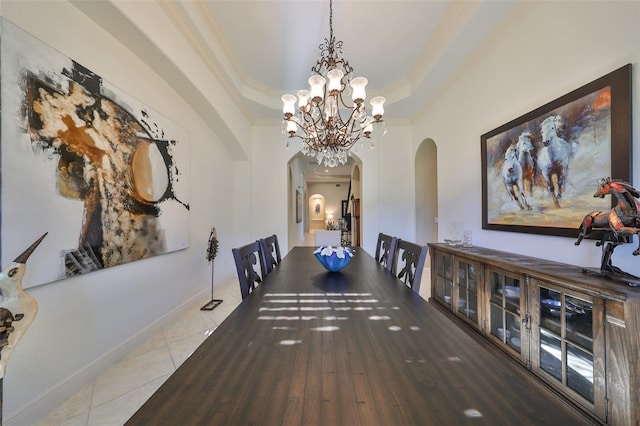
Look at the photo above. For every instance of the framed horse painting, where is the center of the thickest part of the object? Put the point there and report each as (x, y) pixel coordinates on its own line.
(540, 171)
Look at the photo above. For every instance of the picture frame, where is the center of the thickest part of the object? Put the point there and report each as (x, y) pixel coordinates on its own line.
(572, 142)
(110, 152)
(298, 206)
(345, 207)
(316, 208)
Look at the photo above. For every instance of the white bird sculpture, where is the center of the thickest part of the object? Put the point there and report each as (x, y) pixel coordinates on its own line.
(17, 308)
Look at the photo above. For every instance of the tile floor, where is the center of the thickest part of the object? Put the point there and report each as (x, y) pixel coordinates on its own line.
(113, 397)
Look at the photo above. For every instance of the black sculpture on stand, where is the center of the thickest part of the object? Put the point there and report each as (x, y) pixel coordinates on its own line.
(617, 226)
(212, 251)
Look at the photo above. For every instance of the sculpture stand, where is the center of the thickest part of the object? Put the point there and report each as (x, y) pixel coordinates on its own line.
(210, 306)
(608, 270)
(618, 226)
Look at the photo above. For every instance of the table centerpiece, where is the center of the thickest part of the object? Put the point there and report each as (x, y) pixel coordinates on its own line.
(333, 258)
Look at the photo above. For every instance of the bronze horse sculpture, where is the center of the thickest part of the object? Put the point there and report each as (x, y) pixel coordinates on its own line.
(618, 225)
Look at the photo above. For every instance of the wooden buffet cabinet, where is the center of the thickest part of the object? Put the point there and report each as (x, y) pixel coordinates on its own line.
(577, 332)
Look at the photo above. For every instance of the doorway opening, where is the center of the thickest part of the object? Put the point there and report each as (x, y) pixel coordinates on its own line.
(426, 187)
(328, 199)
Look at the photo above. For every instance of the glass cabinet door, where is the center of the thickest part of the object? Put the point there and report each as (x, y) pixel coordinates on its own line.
(468, 283)
(444, 277)
(505, 302)
(565, 333)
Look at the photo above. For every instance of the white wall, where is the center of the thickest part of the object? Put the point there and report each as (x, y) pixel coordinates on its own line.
(542, 51)
(268, 192)
(388, 186)
(386, 173)
(296, 229)
(86, 323)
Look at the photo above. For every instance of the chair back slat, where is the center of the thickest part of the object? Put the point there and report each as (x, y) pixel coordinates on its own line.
(385, 250)
(246, 258)
(408, 264)
(271, 252)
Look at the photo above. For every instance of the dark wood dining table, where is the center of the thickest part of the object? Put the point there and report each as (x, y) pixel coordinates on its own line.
(355, 347)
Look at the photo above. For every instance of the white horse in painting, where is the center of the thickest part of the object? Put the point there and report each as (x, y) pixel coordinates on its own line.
(512, 177)
(527, 160)
(554, 157)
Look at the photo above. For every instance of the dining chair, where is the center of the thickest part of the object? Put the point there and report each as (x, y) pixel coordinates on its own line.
(385, 250)
(246, 257)
(270, 252)
(412, 258)
(327, 238)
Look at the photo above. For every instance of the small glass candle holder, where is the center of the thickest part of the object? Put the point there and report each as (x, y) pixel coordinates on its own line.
(467, 240)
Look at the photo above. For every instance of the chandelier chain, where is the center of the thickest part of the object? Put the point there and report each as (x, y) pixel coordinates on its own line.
(331, 20)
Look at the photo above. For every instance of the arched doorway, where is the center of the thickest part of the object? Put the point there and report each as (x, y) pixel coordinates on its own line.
(339, 185)
(426, 184)
(317, 217)
(356, 210)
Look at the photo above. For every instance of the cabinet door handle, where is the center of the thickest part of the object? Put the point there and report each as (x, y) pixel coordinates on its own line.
(526, 321)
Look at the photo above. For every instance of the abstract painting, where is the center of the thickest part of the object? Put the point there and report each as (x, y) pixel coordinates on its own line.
(540, 171)
(104, 174)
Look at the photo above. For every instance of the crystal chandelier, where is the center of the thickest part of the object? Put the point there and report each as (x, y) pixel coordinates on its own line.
(319, 122)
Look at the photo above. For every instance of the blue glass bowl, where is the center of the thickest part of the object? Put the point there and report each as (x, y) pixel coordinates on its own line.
(332, 262)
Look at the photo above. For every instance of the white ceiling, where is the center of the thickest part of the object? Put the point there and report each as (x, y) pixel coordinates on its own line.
(261, 49)
(405, 48)
(313, 172)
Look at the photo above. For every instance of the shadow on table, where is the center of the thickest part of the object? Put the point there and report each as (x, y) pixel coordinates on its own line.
(330, 281)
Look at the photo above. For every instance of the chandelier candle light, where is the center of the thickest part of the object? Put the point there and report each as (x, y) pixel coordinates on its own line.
(325, 134)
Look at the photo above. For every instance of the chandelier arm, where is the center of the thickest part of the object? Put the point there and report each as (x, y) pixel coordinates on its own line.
(355, 135)
(344, 104)
(309, 121)
(351, 118)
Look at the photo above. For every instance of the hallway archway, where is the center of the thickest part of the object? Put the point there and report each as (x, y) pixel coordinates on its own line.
(338, 184)
(426, 187)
